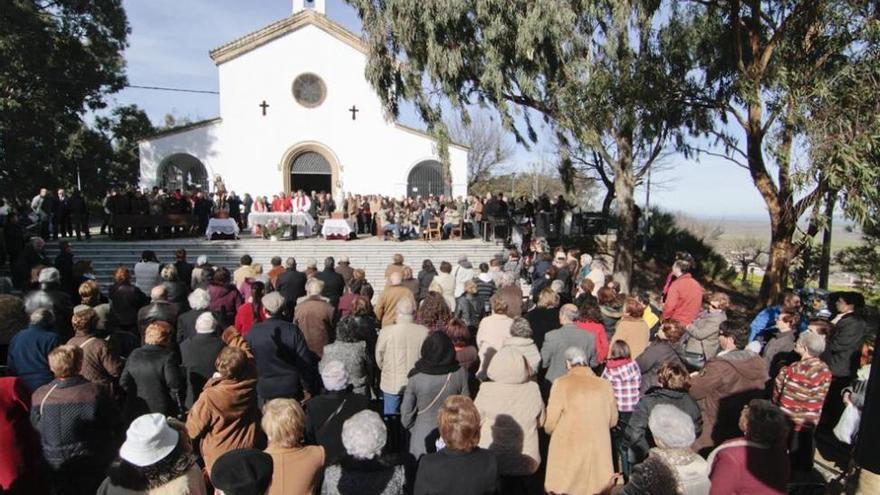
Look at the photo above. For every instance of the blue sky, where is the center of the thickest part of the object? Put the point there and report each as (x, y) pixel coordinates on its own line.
(169, 47)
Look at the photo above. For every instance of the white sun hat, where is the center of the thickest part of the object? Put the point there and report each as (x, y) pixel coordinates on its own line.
(148, 440)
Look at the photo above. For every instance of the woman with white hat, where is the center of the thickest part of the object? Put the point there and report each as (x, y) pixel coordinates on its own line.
(156, 458)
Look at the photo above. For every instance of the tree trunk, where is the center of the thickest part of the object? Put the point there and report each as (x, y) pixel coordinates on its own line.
(624, 185)
(825, 265)
(781, 253)
(606, 203)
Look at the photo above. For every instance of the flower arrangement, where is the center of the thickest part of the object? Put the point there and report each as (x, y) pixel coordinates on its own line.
(273, 230)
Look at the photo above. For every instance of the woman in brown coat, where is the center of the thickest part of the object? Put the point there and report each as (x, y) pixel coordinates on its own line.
(580, 414)
(99, 364)
(225, 416)
(632, 328)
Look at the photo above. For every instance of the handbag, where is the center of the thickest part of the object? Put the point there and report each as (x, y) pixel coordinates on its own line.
(848, 425)
(436, 397)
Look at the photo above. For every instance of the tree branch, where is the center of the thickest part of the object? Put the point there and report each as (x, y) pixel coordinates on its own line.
(720, 155)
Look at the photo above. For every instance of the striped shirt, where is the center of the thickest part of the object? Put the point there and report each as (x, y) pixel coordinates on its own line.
(625, 378)
(800, 390)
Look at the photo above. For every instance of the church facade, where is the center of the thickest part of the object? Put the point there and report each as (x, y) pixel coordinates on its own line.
(296, 112)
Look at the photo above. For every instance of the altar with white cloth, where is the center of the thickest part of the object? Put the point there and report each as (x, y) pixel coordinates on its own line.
(303, 222)
(337, 228)
(223, 226)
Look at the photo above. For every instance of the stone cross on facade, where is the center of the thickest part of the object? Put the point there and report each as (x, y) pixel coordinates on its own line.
(354, 110)
(264, 106)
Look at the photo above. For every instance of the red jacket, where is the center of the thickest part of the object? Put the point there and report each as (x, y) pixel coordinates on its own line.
(598, 331)
(684, 300)
(741, 467)
(244, 318)
(20, 455)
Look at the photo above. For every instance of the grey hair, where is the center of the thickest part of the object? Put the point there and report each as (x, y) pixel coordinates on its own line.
(311, 263)
(568, 312)
(404, 307)
(314, 287)
(558, 286)
(202, 260)
(42, 317)
(576, 356)
(364, 435)
(169, 272)
(273, 303)
(670, 427)
(812, 342)
(205, 323)
(199, 299)
(506, 280)
(521, 328)
(290, 262)
(37, 300)
(49, 276)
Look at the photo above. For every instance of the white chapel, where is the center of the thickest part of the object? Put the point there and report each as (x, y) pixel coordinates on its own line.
(296, 112)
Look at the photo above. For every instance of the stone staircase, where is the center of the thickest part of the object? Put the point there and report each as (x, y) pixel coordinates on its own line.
(371, 254)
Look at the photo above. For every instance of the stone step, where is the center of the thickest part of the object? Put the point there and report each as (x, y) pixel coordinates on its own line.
(369, 253)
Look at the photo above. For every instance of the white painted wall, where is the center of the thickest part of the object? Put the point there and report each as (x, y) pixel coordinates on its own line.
(201, 142)
(247, 148)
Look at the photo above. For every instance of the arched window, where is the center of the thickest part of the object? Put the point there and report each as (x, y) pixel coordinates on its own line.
(426, 178)
(183, 171)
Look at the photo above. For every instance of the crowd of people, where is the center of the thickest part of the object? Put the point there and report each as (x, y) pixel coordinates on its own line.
(182, 378)
(54, 215)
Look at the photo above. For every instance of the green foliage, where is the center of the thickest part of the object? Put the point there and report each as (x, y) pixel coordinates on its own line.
(864, 261)
(666, 237)
(57, 60)
(123, 128)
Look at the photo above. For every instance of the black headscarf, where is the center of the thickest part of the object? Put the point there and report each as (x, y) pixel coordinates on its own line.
(438, 356)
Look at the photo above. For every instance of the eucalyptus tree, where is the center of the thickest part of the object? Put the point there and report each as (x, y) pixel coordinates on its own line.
(792, 85)
(603, 76)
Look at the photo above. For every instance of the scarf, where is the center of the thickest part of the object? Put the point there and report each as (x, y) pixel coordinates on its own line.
(438, 356)
(616, 363)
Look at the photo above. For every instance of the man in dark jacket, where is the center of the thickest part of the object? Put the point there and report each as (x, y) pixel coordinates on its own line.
(726, 383)
(186, 322)
(62, 215)
(284, 362)
(202, 210)
(78, 424)
(79, 215)
(869, 432)
(159, 309)
(50, 295)
(125, 301)
(198, 354)
(184, 268)
(29, 350)
(291, 285)
(326, 413)
(334, 284)
(151, 378)
(842, 351)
